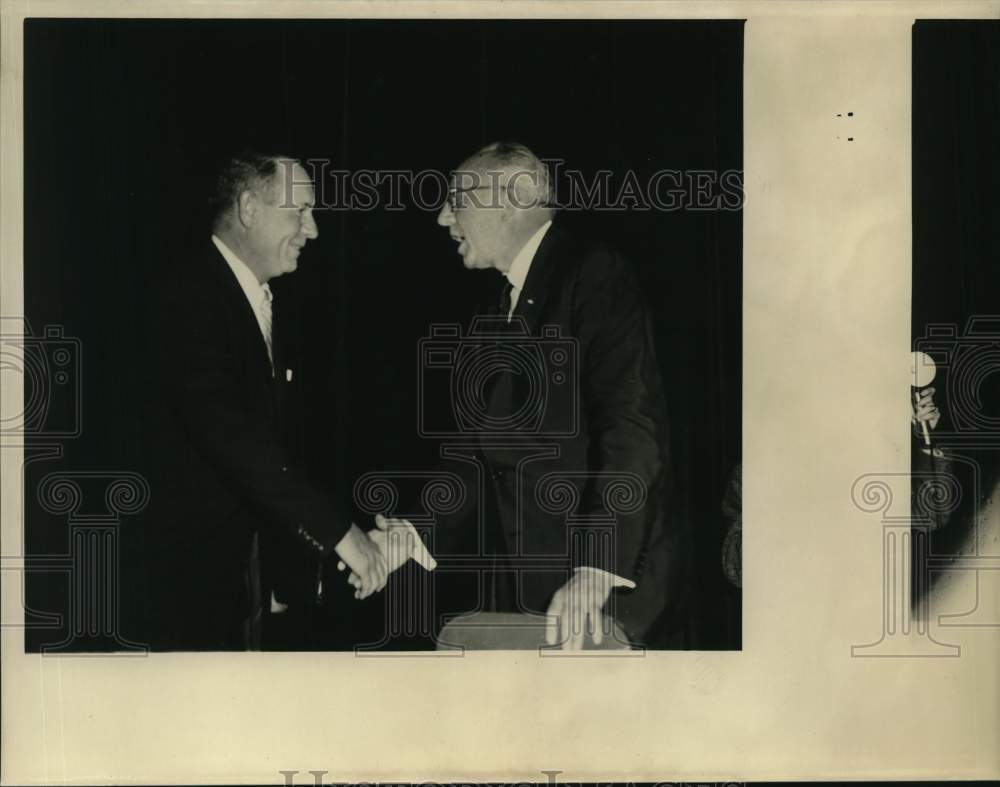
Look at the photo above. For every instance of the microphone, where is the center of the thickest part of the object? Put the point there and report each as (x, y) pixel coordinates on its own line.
(922, 371)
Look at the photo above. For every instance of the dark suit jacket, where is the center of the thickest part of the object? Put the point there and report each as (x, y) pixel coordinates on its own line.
(575, 443)
(223, 469)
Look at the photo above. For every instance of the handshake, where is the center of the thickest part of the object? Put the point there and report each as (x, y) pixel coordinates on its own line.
(372, 556)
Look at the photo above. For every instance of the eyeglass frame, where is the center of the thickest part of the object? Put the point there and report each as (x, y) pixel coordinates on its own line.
(454, 191)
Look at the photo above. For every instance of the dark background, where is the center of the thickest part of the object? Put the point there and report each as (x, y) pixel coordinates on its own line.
(956, 247)
(956, 171)
(123, 116)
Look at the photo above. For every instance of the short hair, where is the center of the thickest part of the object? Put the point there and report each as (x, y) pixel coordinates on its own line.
(238, 173)
(514, 155)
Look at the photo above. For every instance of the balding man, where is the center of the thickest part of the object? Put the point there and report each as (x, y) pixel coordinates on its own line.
(227, 481)
(601, 433)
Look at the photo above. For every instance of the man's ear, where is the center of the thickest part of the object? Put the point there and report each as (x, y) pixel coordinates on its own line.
(520, 194)
(246, 208)
(508, 197)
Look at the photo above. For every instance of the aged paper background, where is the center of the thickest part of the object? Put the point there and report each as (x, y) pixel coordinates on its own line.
(826, 343)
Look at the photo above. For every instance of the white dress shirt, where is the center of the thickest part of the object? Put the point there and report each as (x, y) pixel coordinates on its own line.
(518, 272)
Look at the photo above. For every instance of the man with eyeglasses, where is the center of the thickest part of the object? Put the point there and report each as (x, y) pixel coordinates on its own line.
(500, 215)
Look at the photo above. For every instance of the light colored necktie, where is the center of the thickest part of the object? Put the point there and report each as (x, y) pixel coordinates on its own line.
(265, 316)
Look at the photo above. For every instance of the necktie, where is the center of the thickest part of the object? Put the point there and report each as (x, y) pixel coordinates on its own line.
(503, 307)
(265, 319)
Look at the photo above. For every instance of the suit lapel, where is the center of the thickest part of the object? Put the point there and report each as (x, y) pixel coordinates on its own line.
(246, 320)
(510, 392)
(537, 286)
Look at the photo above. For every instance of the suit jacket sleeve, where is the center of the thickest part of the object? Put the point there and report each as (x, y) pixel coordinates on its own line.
(210, 400)
(622, 401)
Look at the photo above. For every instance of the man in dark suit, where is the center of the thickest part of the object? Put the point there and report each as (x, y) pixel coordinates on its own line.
(569, 448)
(227, 489)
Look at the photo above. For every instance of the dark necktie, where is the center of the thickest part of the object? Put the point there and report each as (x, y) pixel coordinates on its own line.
(503, 307)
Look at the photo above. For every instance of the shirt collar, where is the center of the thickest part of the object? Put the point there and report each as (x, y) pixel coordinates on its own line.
(253, 289)
(518, 272)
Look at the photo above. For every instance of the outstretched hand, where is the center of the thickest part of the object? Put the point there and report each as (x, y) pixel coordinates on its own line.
(368, 569)
(397, 541)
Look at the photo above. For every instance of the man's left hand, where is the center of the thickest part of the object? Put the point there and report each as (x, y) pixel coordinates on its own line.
(576, 605)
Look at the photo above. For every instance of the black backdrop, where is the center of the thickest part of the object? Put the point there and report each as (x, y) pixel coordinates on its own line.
(121, 117)
(956, 171)
(956, 239)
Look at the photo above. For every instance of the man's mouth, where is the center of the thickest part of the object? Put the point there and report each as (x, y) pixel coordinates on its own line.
(463, 247)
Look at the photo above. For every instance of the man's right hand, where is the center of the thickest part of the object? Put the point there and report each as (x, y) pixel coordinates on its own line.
(367, 565)
(925, 409)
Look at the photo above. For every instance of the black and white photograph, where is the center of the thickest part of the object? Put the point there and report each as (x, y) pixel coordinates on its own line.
(383, 335)
(386, 387)
(955, 530)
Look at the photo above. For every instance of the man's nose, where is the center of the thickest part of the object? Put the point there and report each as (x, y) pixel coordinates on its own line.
(309, 228)
(446, 218)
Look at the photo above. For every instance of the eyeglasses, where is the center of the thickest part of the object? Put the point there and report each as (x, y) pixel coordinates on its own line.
(456, 198)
